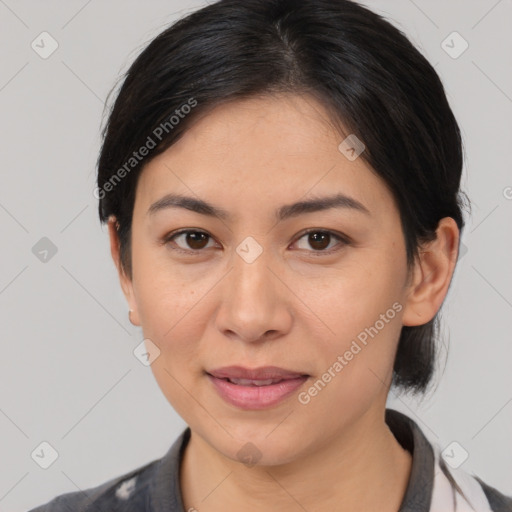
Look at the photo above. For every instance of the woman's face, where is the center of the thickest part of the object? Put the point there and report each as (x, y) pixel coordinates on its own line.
(254, 290)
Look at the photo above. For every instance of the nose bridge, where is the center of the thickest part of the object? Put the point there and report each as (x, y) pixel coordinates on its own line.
(250, 277)
(250, 307)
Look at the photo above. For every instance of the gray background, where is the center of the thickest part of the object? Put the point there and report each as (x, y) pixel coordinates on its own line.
(68, 374)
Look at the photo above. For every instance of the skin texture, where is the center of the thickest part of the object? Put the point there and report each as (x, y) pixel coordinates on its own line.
(292, 307)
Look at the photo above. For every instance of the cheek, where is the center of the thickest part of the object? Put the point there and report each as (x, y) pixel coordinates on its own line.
(355, 371)
(174, 316)
(343, 302)
(165, 292)
(360, 315)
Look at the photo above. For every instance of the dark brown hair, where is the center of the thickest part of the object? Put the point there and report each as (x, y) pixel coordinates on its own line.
(372, 80)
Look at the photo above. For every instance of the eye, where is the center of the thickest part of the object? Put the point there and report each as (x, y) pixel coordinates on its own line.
(195, 241)
(319, 239)
(193, 238)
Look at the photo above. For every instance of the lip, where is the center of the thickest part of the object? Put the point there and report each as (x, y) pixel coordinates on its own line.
(255, 397)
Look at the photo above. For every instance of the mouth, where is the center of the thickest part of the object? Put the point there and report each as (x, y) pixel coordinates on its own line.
(252, 382)
(255, 389)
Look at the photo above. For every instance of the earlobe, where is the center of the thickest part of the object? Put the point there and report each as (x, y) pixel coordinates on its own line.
(432, 275)
(124, 280)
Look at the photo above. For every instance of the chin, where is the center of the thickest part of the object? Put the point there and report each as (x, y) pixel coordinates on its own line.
(257, 447)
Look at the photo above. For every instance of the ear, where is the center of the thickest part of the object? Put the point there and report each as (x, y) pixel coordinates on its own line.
(432, 274)
(126, 282)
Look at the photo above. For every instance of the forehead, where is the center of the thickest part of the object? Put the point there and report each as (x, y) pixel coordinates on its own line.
(269, 150)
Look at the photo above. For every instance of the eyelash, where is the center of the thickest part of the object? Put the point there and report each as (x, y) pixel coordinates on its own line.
(341, 238)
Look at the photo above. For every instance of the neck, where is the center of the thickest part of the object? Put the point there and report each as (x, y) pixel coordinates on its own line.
(337, 476)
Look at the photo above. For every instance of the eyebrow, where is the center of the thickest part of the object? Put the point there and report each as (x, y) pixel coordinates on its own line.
(282, 213)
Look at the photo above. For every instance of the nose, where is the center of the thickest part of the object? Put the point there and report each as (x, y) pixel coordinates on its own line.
(254, 303)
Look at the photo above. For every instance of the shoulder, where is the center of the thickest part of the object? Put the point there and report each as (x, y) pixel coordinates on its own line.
(434, 485)
(154, 486)
(471, 489)
(498, 501)
(126, 492)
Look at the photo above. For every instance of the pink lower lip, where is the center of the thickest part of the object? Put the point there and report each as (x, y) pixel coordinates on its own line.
(255, 397)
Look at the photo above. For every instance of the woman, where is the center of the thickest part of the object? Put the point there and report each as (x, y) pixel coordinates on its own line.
(281, 185)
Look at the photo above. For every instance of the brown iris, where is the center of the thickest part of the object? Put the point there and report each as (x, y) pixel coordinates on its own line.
(317, 239)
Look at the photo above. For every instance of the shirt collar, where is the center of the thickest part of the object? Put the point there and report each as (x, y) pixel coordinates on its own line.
(418, 495)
